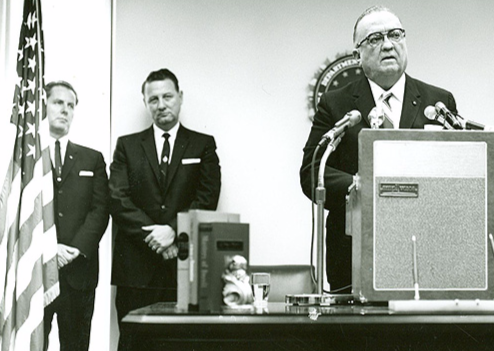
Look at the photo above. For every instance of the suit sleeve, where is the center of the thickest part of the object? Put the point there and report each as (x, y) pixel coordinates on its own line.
(208, 189)
(89, 234)
(123, 210)
(336, 181)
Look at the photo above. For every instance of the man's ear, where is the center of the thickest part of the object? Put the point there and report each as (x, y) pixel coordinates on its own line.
(356, 54)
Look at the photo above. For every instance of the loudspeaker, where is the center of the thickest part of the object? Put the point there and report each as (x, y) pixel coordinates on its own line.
(421, 212)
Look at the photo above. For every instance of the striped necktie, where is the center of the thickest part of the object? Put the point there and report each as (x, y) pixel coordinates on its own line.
(387, 111)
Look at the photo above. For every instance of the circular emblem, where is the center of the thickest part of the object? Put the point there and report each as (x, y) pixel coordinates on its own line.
(333, 75)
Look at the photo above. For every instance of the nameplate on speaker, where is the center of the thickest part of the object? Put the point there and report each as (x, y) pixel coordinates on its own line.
(398, 190)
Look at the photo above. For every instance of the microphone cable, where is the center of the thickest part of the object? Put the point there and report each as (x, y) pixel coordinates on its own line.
(313, 197)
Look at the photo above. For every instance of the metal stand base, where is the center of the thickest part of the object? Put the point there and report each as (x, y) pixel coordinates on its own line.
(319, 299)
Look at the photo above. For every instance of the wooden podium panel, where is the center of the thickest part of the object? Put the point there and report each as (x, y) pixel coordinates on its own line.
(435, 186)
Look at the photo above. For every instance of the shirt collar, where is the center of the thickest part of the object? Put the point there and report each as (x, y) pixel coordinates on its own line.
(63, 141)
(398, 89)
(158, 132)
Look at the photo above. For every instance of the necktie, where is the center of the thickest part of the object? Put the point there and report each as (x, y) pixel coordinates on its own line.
(387, 111)
(165, 157)
(58, 160)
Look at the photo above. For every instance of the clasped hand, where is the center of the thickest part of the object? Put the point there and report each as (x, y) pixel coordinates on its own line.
(161, 240)
(66, 254)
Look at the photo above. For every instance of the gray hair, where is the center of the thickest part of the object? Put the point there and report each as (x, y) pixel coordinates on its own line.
(372, 9)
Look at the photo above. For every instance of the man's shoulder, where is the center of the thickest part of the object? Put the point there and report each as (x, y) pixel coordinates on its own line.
(136, 135)
(349, 89)
(84, 149)
(426, 87)
(194, 134)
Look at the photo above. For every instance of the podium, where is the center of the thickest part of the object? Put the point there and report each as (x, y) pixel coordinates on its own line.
(420, 215)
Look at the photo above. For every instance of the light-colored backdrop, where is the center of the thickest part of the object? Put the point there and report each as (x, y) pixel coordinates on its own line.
(245, 67)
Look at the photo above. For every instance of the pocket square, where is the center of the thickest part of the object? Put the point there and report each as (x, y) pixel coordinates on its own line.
(189, 161)
(86, 173)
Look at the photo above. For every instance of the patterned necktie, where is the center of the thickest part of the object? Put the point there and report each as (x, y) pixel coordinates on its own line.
(165, 157)
(387, 111)
(58, 160)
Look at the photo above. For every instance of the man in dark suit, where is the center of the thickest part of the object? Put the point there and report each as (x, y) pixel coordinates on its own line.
(155, 174)
(380, 46)
(81, 202)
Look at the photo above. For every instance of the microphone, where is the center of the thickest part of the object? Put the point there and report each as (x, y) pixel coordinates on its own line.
(430, 113)
(349, 120)
(374, 119)
(442, 110)
(471, 125)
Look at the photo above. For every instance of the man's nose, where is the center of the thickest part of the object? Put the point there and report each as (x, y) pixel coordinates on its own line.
(64, 110)
(162, 104)
(387, 43)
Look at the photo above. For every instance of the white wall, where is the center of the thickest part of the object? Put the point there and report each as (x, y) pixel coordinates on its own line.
(77, 49)
(244, 67)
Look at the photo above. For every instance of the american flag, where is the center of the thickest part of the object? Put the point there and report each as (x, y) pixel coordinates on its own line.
(28, 242)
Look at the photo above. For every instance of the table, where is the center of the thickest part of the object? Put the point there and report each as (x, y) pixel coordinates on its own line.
(287, 327)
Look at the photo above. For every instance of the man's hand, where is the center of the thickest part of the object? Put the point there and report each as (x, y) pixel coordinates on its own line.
(66, 254)
(160, 238)
(170, 252)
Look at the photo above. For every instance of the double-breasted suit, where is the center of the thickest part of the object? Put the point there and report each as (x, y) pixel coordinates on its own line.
(343, 163)
(137, 200)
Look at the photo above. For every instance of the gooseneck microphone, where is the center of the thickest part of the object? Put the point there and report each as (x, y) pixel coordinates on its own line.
(471, 125)
(349, 120)
(374, 119)
(440, 113)
(448, 116)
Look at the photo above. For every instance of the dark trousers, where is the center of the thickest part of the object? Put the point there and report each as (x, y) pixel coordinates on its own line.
(128, 299)
(74, 309)
(161, 288)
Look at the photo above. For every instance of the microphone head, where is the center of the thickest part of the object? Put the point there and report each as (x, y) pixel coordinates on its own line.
(354, 116)
(372, 114)
(440, 107)
(374, 119)
(430, 112)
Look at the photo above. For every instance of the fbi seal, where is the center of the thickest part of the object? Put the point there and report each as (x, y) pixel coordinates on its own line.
(332, 75)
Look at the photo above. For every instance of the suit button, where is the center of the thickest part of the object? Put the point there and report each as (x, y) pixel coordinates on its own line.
(60, 191)
(163, 207)
(60, 214)
(59, 179)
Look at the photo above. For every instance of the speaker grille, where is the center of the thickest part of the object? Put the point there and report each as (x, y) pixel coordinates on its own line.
(448, 219)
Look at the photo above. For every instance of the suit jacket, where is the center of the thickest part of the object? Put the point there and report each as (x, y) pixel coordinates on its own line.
(82, 211)
(343, 163)
(193, 182)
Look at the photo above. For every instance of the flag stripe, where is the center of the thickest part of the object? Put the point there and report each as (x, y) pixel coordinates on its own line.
(28, 242)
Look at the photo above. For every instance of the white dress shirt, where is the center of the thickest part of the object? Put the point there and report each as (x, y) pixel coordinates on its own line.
(396, 101)
(159, 139)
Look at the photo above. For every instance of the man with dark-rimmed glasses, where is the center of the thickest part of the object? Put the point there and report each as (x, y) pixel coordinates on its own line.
(380, 47)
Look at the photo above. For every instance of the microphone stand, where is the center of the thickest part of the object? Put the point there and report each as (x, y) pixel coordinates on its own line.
(320, 298)
(320, 197)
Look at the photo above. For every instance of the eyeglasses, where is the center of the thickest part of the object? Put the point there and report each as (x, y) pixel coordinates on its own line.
(374, 39)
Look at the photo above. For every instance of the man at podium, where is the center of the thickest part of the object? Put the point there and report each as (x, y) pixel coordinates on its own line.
(379, 40)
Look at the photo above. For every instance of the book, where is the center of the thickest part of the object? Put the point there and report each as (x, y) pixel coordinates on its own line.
(222, 246)
(187, 262)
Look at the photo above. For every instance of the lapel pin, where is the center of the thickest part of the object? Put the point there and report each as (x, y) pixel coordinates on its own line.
(414, 103)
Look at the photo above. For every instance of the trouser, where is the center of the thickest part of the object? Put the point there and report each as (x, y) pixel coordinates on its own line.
(74, 309)
(128, 299)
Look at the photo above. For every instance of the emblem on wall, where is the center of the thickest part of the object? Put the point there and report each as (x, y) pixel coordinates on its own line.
(330, 76)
